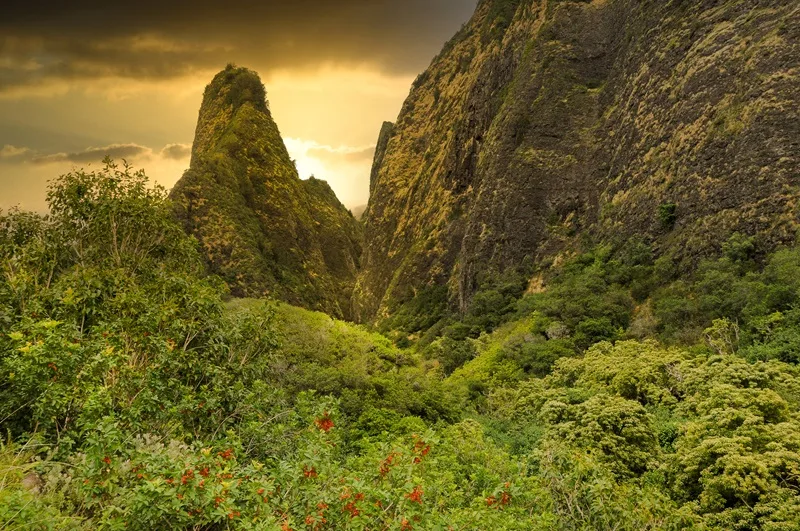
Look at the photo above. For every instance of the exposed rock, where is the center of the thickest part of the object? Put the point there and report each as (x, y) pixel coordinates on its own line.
(32, 483)
(262, 228)
(545, 122)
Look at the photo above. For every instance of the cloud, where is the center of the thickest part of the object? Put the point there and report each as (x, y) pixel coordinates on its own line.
(343, 153)
(26, 172)
(44, 43)
(96, 154)
(346, 168)
(131, 152)
(176, 151)
(309, 149)
(12, 152)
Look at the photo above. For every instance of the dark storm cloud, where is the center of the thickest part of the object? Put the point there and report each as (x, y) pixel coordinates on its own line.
(147, 39)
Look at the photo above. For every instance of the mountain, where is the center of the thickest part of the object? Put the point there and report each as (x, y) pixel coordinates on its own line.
(544, 124)
(358, 211)
(261, 227)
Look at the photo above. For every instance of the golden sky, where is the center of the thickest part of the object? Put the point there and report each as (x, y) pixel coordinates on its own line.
(82, 79)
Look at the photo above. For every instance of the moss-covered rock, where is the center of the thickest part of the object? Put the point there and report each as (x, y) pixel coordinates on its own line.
(543, 122)
(261, 227)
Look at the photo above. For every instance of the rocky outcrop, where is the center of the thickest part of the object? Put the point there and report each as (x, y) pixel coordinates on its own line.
(387, 130)
(261, 227)
(544, 123)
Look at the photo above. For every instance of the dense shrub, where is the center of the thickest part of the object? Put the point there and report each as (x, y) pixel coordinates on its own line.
(133, 397)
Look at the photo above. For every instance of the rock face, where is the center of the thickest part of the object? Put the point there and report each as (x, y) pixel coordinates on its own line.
(261, 227)
(545, 122)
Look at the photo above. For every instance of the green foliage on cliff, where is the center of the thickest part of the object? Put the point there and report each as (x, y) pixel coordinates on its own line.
(501, 14)
(260, 227)
(547, 122)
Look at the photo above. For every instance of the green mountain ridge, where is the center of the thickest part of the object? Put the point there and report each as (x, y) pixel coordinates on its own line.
(261, 227)
(544, 124)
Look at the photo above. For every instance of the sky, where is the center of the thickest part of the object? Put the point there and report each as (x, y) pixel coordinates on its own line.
(83, 79)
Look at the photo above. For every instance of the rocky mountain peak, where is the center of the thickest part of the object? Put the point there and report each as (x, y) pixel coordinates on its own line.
(231, 90)
(262, 228)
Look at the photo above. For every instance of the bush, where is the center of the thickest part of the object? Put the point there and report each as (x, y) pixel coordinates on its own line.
(667, 215)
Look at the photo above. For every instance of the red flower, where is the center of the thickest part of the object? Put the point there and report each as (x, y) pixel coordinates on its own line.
(505, 498)
(310, 472)
(386, 464)
(107, 460)
(204, 472)
(405, 525)
(325, 423)
(415, 495)
(491, 500)
(421, 449)
(359, 496)
(227, 454)
(351, 508)
(189, 474)
(322, 506)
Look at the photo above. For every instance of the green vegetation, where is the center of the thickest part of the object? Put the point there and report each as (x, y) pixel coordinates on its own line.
(133, 397)
(667, 215)
(535, 364)
(240, 87)
(261, 228)
(501, 14)
(429, 314)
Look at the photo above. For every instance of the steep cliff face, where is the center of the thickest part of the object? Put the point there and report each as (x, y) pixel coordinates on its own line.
(261, 227)
(543, 122)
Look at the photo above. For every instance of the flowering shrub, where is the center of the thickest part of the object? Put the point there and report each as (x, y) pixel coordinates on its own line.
(405, 484)
(133, 398)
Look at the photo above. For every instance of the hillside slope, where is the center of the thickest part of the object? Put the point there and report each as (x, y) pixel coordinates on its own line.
(545, 122)
(262, 228)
